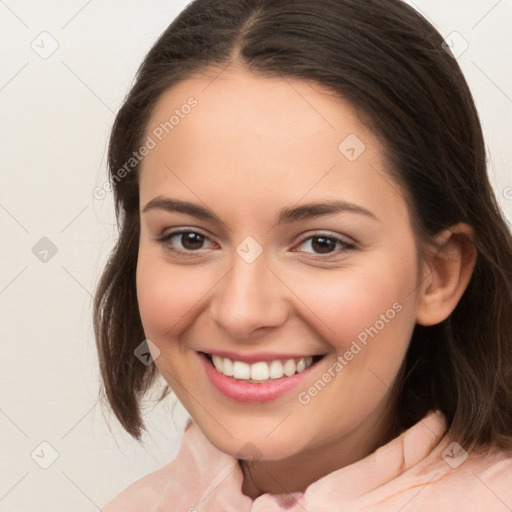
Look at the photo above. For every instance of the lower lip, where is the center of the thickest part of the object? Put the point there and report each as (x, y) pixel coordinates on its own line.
(250, 392)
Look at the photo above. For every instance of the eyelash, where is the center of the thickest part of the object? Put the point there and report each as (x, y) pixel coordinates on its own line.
(345, 246)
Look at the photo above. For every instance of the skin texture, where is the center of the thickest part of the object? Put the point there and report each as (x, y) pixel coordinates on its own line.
(252, 146)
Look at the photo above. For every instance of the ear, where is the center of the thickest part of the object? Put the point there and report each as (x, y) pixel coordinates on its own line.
(447, 270)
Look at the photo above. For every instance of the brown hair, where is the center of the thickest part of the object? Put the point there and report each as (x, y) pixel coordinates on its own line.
(390, 64)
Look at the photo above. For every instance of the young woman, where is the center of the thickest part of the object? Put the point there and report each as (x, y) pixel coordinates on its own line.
(313, 258)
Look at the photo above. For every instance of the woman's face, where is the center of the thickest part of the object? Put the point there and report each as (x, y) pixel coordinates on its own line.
(285, 238)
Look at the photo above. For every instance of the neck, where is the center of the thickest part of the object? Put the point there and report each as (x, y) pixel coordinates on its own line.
(297, 472)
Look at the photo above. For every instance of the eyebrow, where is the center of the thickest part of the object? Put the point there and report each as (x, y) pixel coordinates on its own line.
(286, 215)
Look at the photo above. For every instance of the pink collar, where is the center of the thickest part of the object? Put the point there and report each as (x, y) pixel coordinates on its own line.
(207, 479)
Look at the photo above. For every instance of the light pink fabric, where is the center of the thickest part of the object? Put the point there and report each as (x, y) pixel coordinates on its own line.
(421, 470)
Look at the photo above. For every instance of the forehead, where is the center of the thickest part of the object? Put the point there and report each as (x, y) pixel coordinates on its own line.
(270, 110)
(275, 138)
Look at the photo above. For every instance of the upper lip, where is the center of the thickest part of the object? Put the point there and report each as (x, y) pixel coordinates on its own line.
(257, 357)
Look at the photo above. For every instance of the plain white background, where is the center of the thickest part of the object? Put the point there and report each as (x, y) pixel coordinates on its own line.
(56, 113)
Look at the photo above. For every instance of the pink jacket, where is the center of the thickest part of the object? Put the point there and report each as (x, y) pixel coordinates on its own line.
(421, 470)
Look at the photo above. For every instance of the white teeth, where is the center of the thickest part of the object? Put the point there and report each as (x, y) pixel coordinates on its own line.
(217, 361)
(276, 370)
(289, 368)
(241, 370)
(227, 367)
(261, 371)
(301, 365)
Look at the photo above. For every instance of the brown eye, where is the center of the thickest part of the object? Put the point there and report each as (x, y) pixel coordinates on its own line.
(325, 245)
(184, 242)
(192, 241)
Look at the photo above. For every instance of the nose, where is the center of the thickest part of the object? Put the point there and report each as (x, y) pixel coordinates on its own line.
(250, 300)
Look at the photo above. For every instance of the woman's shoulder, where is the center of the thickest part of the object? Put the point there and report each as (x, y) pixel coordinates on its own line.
(483, 467)
(177, 485)
(470, 481)
(144, 492)
(147, 490)
(426, 469)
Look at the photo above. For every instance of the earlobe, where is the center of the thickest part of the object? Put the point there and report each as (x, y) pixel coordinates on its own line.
(447, 271)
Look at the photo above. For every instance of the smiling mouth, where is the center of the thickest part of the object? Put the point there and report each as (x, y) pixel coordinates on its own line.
(262, 371)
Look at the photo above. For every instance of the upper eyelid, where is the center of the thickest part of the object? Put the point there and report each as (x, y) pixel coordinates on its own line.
(326, 234)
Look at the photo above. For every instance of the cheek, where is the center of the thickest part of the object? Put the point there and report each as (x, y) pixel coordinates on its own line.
(346, 307)
(371, 302)
(368, 318)
(167, 298)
